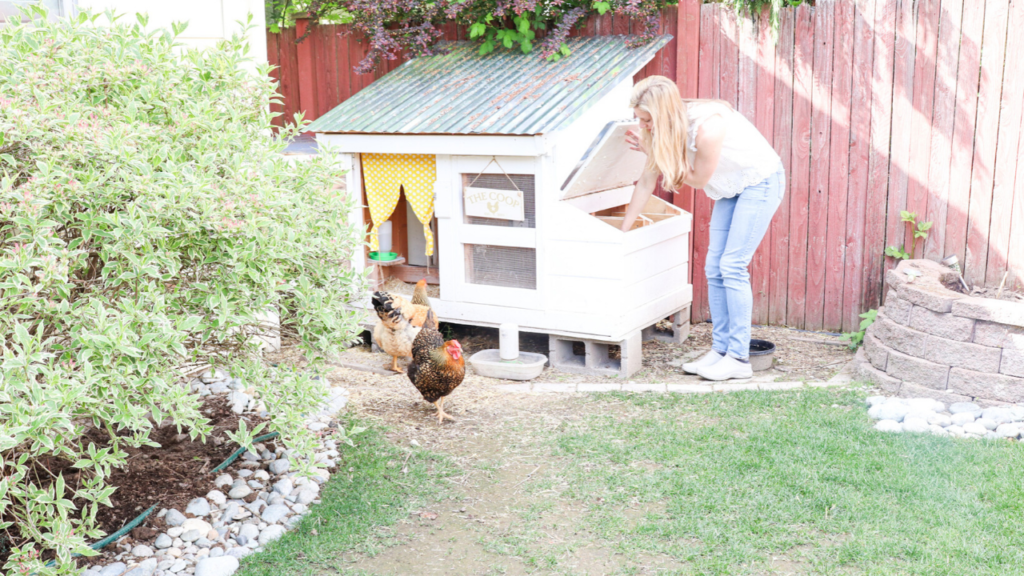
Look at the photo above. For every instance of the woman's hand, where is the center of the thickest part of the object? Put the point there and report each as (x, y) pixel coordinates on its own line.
(634, 141)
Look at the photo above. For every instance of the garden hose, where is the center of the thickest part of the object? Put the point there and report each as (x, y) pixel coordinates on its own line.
(138, 519)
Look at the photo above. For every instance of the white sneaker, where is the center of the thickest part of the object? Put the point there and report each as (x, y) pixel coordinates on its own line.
(726, 369)
(706, 360)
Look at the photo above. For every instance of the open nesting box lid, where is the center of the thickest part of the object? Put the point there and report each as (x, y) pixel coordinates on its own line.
(608, 163)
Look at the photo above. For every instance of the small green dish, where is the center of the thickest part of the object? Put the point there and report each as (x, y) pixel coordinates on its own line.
(383, 257)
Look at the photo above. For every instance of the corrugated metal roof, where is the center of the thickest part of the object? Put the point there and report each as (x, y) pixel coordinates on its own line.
(505, 92)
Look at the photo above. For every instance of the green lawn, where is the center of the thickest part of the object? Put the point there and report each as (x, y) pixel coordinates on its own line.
(723, 483)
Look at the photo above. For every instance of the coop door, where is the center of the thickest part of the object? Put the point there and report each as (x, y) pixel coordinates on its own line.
(500, 265)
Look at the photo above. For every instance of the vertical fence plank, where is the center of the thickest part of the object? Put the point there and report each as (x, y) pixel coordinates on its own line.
(764, 110)
(1015, 255)
(667, 55)
(993, 51)
(860, 152)
(688, 32)
(943, 114)
(782, 138)
(1007, 147)
(323, 88)
(706, 88)
(799, 188)
(289, 74)
(342, 64)
(921, 123)
(729, 56)
(274, 60)
(306, 77)
(821, 99)
(902, 114)
(965, 114)
(878, 164)
(839, 165)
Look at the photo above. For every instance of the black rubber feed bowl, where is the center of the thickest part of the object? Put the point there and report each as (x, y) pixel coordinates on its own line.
(761, 354)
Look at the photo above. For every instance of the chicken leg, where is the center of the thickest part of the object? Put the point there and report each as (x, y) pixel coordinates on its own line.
(440, 411)
(394, 364)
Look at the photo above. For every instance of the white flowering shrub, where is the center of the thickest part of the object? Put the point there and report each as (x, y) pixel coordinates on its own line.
(147, 218)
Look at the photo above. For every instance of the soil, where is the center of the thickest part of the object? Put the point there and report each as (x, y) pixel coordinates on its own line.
(168, 476)
(1010, 295)
(799, 355)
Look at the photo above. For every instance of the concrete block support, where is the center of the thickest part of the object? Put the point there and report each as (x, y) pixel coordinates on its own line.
(680, 329)
(596, 359)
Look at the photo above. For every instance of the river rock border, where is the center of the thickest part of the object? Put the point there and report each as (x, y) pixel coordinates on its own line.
(256, 500)
(929, 341)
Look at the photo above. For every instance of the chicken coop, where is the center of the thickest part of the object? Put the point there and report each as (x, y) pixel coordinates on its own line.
(504, 179)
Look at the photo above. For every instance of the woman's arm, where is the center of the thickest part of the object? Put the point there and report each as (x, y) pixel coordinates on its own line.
(709, 149)
(641, 193)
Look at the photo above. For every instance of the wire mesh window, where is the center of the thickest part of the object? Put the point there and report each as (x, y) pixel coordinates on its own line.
(503, 266)
(524, 182)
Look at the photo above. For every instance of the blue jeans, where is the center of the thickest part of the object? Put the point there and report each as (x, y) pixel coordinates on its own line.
(737, 226)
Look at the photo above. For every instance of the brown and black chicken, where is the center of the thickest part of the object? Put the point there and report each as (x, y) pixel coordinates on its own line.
(437, 367)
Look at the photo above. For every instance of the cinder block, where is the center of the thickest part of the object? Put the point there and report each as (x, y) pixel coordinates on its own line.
(1012, 363)
(896, 309)
(981, 385)
(934, 349)
(876, 353)
(596, 359)
(910, 390)
(942, 325)
(991, 310)
(917, 371)
(680, 329)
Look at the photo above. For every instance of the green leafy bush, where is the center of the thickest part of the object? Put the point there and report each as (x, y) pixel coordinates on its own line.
(857, 338)
(147, 219)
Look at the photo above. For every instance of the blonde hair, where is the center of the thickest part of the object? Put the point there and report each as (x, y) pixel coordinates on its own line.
(668, 153)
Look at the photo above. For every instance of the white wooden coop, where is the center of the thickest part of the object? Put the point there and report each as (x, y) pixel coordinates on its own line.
(546, 133)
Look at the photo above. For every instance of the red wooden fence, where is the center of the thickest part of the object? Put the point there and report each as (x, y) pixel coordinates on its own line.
(875, 106)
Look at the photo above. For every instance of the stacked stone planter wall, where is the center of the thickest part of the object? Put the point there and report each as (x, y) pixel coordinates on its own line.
(930, 341)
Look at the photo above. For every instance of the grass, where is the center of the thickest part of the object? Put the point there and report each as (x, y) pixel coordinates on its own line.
(717, 484)
(743, 477)
(358, 504)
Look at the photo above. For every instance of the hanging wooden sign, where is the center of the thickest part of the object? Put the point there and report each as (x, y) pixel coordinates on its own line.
(494, 203)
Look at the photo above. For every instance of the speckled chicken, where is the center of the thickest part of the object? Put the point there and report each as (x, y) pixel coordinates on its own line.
(419, 295)
(400, 322)
(437, 367)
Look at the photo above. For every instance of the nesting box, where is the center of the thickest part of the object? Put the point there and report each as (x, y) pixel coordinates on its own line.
(532, 181)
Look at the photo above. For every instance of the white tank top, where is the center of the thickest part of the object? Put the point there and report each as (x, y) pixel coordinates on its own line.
(747, 157)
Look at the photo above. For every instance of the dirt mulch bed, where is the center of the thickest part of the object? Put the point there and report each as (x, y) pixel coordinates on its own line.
(169, 476)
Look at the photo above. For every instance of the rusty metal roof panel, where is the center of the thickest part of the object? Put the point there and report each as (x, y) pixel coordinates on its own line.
(505, 92)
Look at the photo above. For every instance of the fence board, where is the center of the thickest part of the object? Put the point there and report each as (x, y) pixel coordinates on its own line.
(803, 110)
(821, 99)
(1007, 147)
(343, 65)
(687, 57)
(993, 46)
(763, 64)
(878, 168)
(782, 139)
(747, 95)
(1015, 255)
(839, 165)
(943, 114)
(859, 162)
(921, 123)
(289, 74)
(707, 87)
(323, 87)
(274, 60)
(902, 114)
(965, 114)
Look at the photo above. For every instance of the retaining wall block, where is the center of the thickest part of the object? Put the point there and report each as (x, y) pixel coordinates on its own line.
(934, 349)
(896, 309)
(1013, 363)
(991, 310)
(917, 371)
(865, 371)
(927, 295)
(911, 390)
(942, 325)
(994, 334)
(876, 353)
(990, 386)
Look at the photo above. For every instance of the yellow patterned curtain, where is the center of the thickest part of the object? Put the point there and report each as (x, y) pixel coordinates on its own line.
(385, 174)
